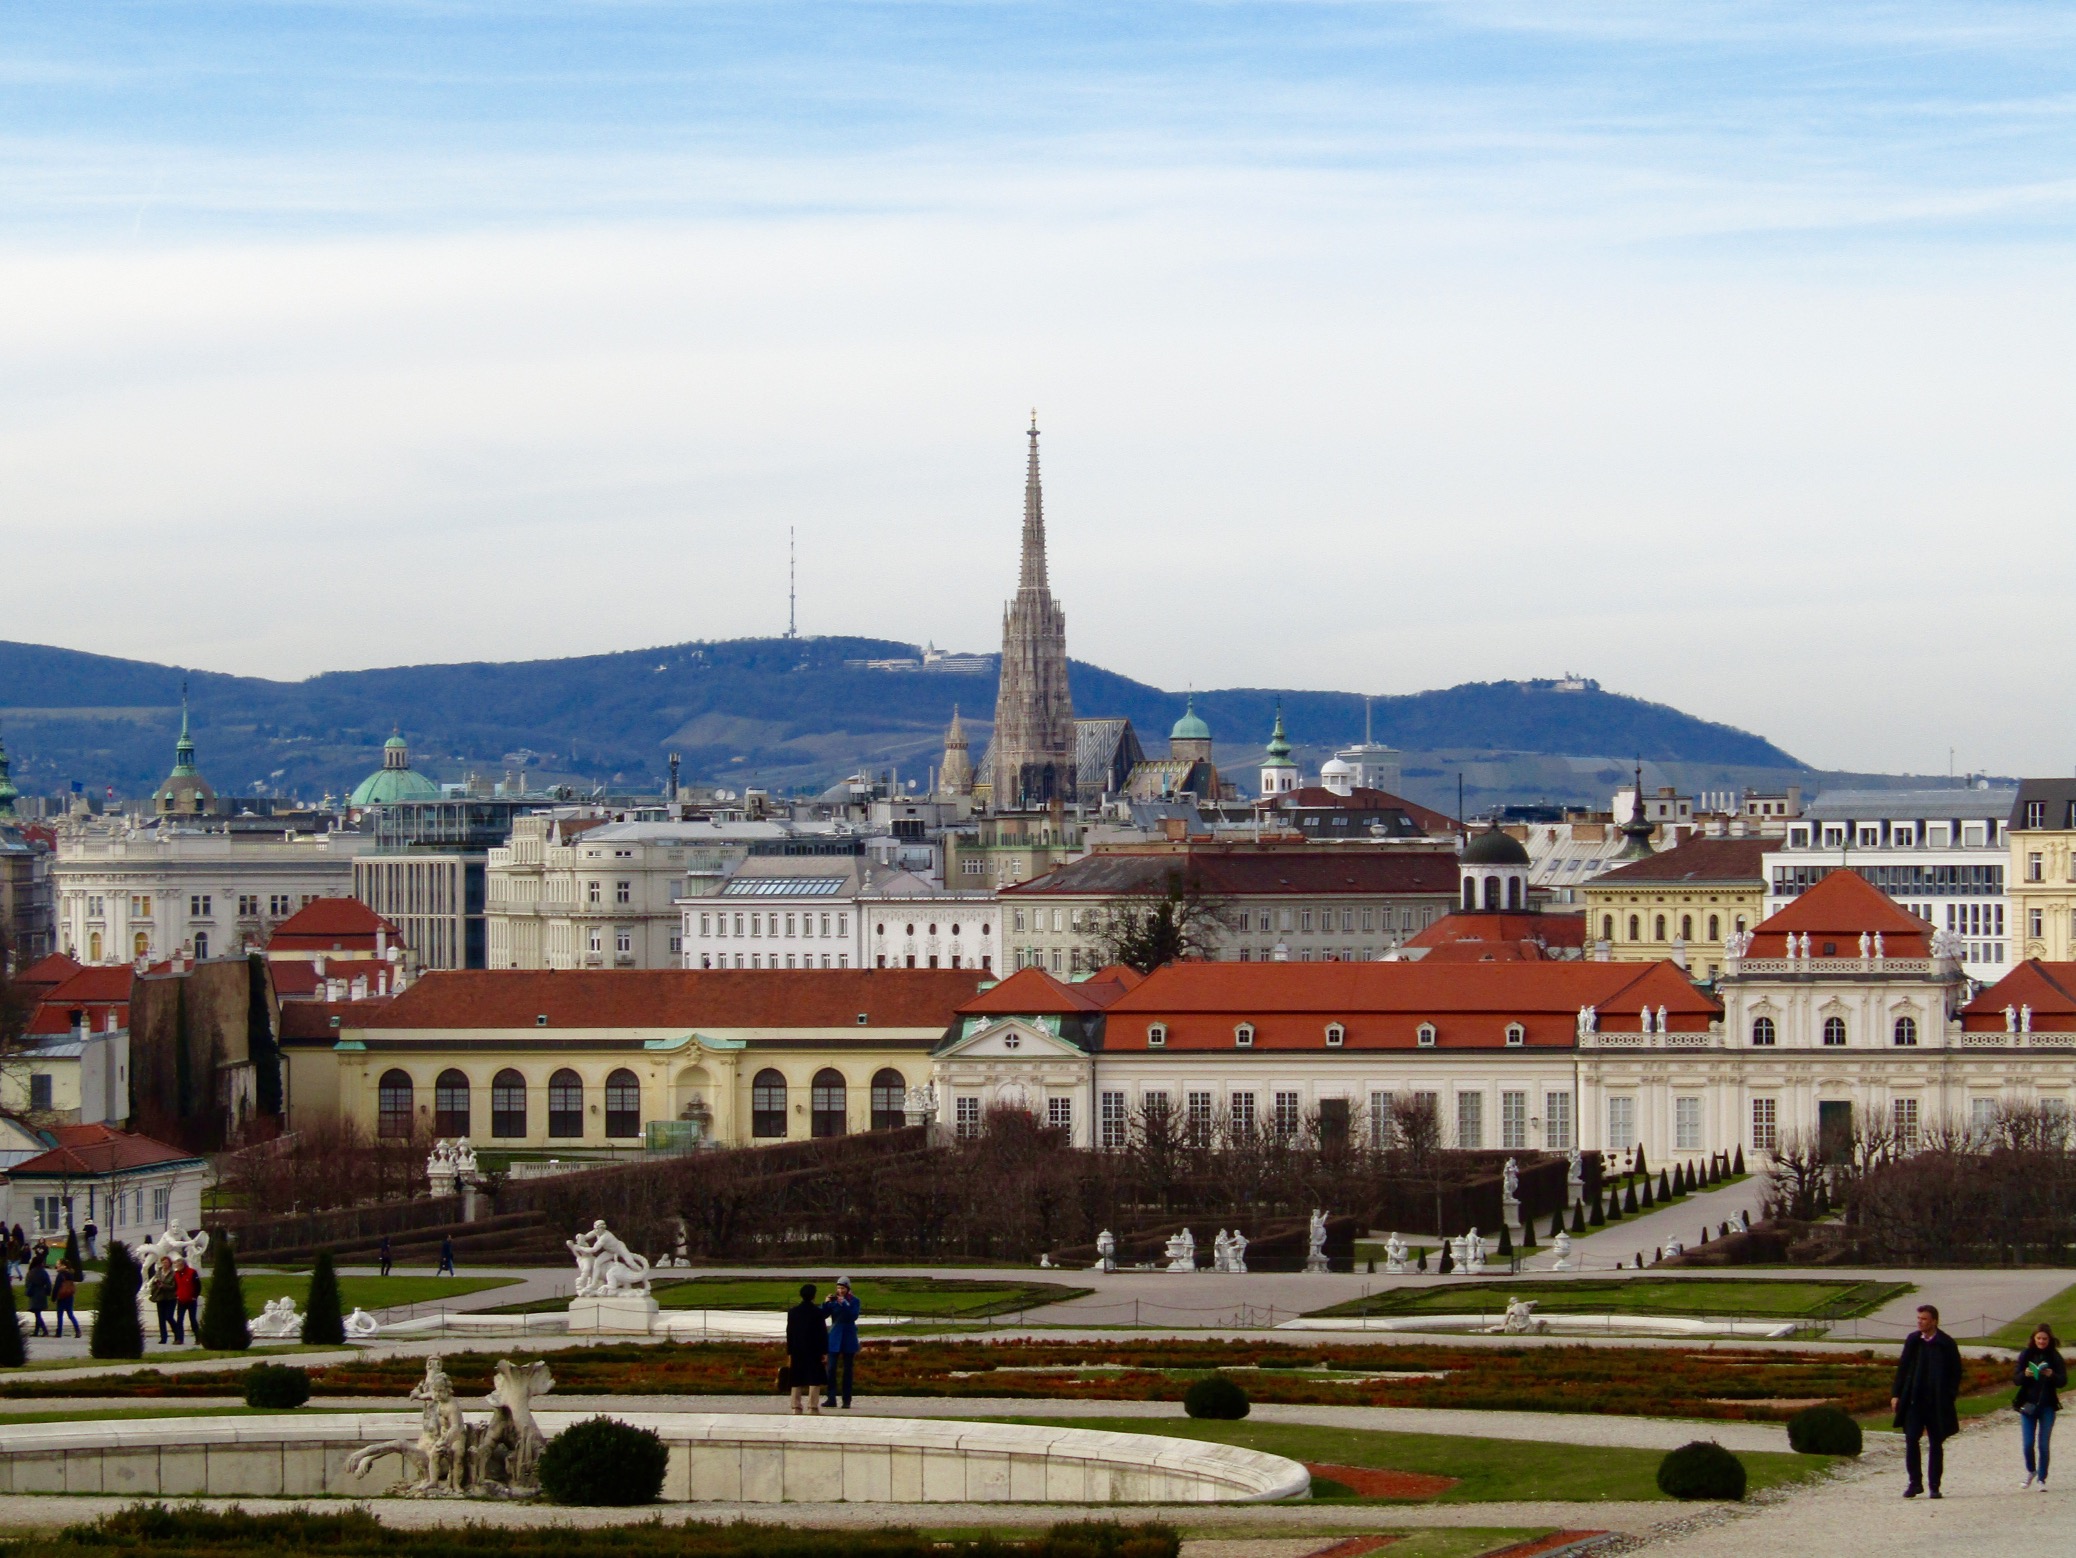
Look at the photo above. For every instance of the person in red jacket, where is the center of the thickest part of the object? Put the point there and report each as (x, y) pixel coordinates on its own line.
(187, 1293)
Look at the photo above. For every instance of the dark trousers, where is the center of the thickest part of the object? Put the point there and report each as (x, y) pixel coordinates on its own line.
(166, 1321)
(65, 1308)
(839, 1361)
(37, 1311)
(184, 1319)
(1916, 1425)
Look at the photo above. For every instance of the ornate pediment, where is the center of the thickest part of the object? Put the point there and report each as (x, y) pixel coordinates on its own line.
(1010, 1038)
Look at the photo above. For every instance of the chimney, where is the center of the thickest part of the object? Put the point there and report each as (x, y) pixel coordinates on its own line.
(317, 965)
(381, 943)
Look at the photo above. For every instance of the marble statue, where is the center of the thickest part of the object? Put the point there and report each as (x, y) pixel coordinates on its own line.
(1574, 1177)
(920, 1105)
(2011, 1019)
(464, 1159)
(1315, 1242)
(1562, 1244)
(1510, 1179)
(1878, 952)
(1474, 1251)
(1221, 1251)
(1236, 1253)
(176, 1243)
(607, 1268)
(1663, 1025)
(437, 1454)
(505, 1450)
(1741, 1223)
(1182, 1251)
(2025, 1019)
(1395, 1255)
(452, 1456)
(1106, 1250)
(1646, 1021)
(278, 1319)
(361, 1323)
(1520, 1318)
(1673, 1247)
(1866, 946)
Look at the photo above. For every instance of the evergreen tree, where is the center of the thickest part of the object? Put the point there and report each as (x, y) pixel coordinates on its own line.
(1629, 1199)
(1639, 1166)
(1646, 1200)
(1557, 1221)
(1506, 1242)
(223, 1327)
(1421, 1264)
(72, 1250)
(1448, 1263)
(1527, 1234)
(323, 1323)
(1599, 1217)
(13, 1354)
(1666, 1188)
(118, 1333)
(1738, 1166)
(1578, 1215)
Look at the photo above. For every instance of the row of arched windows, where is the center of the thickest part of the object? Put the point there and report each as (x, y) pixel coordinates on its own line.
(828, 1103)
(453, 1114)
(1659, 925)
(1764, 1033)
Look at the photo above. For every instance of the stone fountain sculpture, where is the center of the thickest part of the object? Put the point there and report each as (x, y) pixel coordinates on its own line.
(452, 1457)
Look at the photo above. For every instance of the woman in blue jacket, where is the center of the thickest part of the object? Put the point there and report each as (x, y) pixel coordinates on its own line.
(842, 1310)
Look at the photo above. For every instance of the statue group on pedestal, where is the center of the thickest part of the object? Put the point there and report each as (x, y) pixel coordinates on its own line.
(1395, 1255)
(606, 1267)
(1315, 1242)
(1229, 1251)
(454, 1457)
(1182, 1251)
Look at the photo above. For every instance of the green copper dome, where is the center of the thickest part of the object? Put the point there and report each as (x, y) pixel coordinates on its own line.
(1189, 727)
(394, 780)
(1279, 744)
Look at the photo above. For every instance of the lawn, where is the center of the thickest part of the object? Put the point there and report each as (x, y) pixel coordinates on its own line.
(354, 1292)
(1785, 1298)
(2059, 1312)
(1486, 1469)
(935, 1298)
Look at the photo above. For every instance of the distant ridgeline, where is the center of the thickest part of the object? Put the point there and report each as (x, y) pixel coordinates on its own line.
(783, 713)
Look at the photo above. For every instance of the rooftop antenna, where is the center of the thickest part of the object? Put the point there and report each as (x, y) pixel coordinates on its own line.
(792, 586)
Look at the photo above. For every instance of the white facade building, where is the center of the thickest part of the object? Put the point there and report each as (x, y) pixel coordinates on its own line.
(834, 912)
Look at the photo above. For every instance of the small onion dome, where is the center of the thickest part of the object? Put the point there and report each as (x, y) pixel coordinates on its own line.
(1189, 727)
(1494, 848)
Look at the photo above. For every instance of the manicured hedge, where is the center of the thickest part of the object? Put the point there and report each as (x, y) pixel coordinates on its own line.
(1701, 1470)
(1824, 1430)
(1216, 1397)
(604, 1461)
(160, 1531)
(276, 1385)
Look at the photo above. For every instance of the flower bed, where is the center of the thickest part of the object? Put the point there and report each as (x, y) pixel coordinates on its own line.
(1638, 1381)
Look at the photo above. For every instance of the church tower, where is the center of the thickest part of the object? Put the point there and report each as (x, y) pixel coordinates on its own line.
(956, 776)
(1031, 759)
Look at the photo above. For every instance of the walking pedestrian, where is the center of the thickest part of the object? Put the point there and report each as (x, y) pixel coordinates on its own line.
(385, 1255)
(807, 1350)
(446, 1257)
(1926, 1397)
(842, 1310)
(37, 1285)
(187, 1295)
(161, 1291)
(89, 1234)
(2039, 1375)
(63, 1290)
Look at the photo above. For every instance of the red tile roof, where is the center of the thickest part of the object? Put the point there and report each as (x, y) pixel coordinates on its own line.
(96, 991)
(682, 998)
(1382, 1005)
(2048, 988)
(311, 1021)
(98, 1149)
(1482, 937)
(1834, 913)
(1697, 860)
(1315, 797)
(1318, 872)
(1032, 992)
(333, 924)
(295, 979)
(50, 970)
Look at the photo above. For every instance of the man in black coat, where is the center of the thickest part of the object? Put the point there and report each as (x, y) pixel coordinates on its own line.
(1927, 1390)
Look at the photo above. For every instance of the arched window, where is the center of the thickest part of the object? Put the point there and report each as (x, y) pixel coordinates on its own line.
(94, 947)
(1424, 1035)
(889, 1100)
(1516, 1034)
(201, 946)
(142, 943)
(1906, 1031)
(1336, 1035)
(1762, 1031)
(1607, 927)
(1491, 892)
(768, 1105)
(1686, 927)
(451, 1105)
(1243, 1036)
(393, 1104)
(1834, 1030)
(826, 1104)
(508, 1104)
(1513, 892)
(1658, 929)
(1470, 894)
(1715, 932)
(565, 1104)
(623, 1104)
(1635, 928)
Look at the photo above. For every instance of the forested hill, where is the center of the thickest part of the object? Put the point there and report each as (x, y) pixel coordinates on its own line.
(778, 712)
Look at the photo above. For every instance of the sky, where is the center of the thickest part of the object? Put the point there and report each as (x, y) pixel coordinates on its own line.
(1720, 352)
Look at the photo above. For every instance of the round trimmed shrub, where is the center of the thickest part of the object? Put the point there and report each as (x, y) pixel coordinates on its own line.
(603, 1461)
(1824, 1430)
(1215, 1396)
(276, 1385)
(1701, 1470)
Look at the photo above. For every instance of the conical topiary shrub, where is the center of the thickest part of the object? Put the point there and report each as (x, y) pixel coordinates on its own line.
(1629, 1199)
(324, 1325)
(72, 1250)
(13, 1354)
(1557, 1222)
(1667, 1186)
(1421, 1263)
(1448, 1261)
(1737, 1165)
(223, 1327)
(1578, 1215)
(118, 1333)
(1527, 1234)
(1645, 1199)
(1506, 1242)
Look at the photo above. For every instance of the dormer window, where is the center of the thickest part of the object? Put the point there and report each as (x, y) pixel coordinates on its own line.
(1335, 1035)
(1425, 1035)
(1243, 1036)
(1156, 1035)
(1516, 1035)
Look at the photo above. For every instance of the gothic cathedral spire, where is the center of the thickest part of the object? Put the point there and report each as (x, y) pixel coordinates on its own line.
(1031, 759)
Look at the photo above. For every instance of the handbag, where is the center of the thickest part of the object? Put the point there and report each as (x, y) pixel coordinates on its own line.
(784, 1382)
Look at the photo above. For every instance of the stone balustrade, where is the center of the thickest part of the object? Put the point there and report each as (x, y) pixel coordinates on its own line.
(714, 1457)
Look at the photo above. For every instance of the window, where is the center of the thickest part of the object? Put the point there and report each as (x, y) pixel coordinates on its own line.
(623, 941)
(1156, 1035)
(1765, 1124)
(591, 891)
(889, 1100)
(2036, 923)
(2035, 867)
(198, 904)
(1243, 1036)
(393, 1104)
(1286, 1106)
(1557, 1122)
(1834, 1031)
(1686, 927)
(201, 945)
(827, 1105)
(508, 1104)
(1686, 1125)
(1658, 929)
(248, 906)
(1380, 1120)
(1621, 1124)
(1635, 928)
(1424, 1035)
(1470, 1121)
(1197, 1120)
(966, 1117)
(1113, 1120)
(768, 1106)
(161, 1206)
(1335, 1034)
(1762, 1032)
(1906, 1031)
(565, 1105)
(1240, 1116)
(623, 1105)
(1715, 928)
(1513, 1120)
(1906, 1123)
(451, 1105)
(1304, 919)
(39, 1091)
(1607, 927)
(1059, 1113)
(595, 941)
(1516, 1035)
(2036, 817)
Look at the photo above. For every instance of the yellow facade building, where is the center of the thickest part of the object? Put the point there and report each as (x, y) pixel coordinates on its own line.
(1680, 903)
(594, 1059)
(2042, 879)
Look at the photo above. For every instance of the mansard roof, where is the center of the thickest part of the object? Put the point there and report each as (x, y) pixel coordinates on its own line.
(1738, 861)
